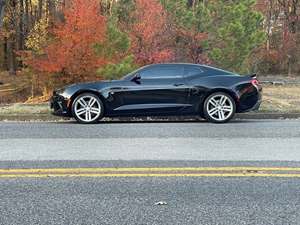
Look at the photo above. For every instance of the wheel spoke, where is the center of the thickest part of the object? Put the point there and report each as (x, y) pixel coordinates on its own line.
(227, 110)
(82, 102)
(213, 102)
(80, 111)
(95, 110)
(222, 115)
(223, 100)
(219, 115)
(213, 111)
(92, 102)
(87, 116)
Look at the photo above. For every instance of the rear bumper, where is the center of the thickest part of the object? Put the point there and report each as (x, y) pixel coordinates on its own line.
(250, 100)
(60, 106)
(255, 107)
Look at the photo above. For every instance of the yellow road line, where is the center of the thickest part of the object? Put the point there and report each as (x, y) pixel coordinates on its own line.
(150, 175)
(144, 169)
(152, 172)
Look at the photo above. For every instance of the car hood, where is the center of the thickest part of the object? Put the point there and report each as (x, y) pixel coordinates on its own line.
(89, 84)
(69, 90)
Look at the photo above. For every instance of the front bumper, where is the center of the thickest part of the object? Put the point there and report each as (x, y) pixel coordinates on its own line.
(60, 106)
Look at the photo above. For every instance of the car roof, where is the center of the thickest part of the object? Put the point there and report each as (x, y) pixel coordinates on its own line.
(179, 64)
(207, 67)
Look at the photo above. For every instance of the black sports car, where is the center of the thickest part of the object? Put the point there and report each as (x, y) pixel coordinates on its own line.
(161, 90)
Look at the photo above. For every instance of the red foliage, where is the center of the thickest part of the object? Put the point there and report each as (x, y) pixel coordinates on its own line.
(262, 5)
(149, 34)
(72, 51)
(192, 40)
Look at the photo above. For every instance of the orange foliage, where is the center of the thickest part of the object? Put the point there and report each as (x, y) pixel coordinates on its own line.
(150, 34)
(71, 51)
(192, 40)
(262, 5)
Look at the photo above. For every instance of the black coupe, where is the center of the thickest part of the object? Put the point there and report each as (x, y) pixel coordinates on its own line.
(161, 90)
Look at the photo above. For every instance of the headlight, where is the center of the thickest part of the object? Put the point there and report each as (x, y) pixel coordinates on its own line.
(59, 91)
(62, 92)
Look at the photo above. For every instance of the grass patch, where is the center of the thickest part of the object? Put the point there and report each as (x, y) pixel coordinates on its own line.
(19, 108)
(284, 99)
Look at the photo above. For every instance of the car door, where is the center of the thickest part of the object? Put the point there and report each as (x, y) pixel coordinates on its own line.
(193, 75)
(159, 89)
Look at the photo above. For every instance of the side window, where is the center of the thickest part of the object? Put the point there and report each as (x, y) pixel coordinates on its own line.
(192, 71)
(147, 73)
(162, 71)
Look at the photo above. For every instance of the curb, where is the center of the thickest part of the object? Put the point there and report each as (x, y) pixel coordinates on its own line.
(244, 116)
(271, 116)
(30, 117)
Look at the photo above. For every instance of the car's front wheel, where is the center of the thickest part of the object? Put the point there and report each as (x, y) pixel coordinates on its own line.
(87, 108)
(219, 108)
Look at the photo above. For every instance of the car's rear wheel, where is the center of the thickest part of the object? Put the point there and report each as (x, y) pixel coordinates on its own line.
(87, 108)
(219, 108)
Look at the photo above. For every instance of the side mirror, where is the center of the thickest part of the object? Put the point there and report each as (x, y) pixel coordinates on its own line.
(136, 78)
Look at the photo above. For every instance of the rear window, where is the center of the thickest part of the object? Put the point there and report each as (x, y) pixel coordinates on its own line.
(211, 71)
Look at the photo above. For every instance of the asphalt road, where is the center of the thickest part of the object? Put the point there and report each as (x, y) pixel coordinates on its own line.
(260, 140)
(131, 200)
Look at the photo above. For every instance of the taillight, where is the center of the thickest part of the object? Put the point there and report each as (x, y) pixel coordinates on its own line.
(254, 82)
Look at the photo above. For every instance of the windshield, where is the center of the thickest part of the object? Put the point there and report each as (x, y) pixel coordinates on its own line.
(128, 76)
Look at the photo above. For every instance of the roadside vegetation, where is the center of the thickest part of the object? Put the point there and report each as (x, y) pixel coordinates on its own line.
(47, 44)
(283, 99)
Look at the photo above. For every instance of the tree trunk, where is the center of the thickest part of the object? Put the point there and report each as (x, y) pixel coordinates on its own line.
(290, 70)
(11, 57)
(27, 26)
(12, 39)
(40, 9)
(5, 61)
(21, 36)
(51, 11)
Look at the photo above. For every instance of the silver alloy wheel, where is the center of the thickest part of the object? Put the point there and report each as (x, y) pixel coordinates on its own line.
(87, 108)
(220, 107)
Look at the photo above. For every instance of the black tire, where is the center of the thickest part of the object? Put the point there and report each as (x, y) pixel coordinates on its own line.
(227, 115)
(96, 116)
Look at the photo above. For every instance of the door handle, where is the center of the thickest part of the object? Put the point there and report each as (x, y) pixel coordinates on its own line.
(177, 85)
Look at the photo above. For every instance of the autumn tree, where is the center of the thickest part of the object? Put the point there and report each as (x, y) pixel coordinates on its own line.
(150, 33)
(282, 49)
(17, 19)
(290, 34)
(72, 50)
